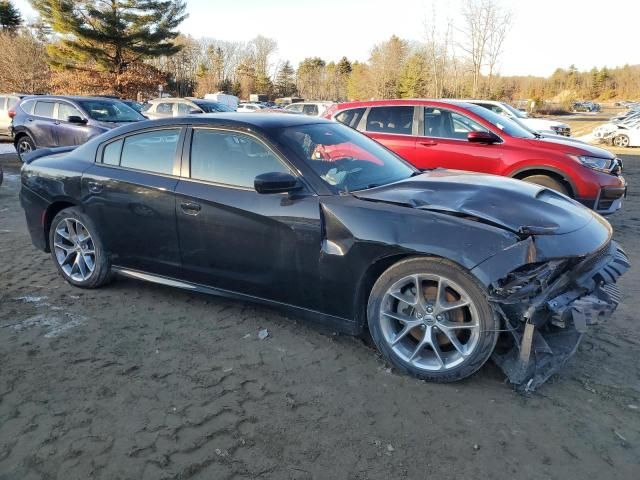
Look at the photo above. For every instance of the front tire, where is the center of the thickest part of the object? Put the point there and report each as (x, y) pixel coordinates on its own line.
(24, 144)
(77, 251)
(431, 319)
(549, 182)
(621, 141)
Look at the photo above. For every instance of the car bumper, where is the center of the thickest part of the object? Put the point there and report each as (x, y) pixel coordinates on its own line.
(609, 199)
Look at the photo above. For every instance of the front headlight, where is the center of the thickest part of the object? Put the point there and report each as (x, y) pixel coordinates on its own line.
(595, 163)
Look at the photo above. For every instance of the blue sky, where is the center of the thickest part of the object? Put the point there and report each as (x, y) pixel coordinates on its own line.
(546, 33)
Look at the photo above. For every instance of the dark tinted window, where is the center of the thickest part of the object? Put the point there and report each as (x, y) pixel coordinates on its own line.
(230, 158)
(351, 118)
(111, 153)
(398, 120)
(310, 110)
(213, 107)
(65, 111)
(151, 151)
(44, 109)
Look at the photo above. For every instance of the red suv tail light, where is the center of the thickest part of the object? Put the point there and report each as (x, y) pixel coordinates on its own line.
(12, 113)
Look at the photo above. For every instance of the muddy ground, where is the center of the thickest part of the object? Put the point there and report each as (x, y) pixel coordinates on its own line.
(138, 381)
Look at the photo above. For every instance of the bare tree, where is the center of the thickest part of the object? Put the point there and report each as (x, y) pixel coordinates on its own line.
(499, 31)
(23, 64)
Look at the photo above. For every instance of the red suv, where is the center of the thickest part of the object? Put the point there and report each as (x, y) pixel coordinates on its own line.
(462, 136)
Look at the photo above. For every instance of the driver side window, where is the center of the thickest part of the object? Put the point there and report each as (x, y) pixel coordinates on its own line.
(443, 123)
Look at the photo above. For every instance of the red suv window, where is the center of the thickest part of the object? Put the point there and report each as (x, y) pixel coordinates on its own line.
(396, 120)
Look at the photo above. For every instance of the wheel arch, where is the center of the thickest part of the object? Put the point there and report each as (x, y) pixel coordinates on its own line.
(49, 214)
(548, 171)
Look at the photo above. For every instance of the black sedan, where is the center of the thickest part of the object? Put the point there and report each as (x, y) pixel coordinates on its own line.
(314, 217)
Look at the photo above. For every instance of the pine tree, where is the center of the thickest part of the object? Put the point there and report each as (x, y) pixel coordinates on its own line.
(111, 35)
(286, 80)
(10, 18)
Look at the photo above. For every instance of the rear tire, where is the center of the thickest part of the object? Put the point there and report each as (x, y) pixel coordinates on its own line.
(24, 144)
(431, 319)
(77, 250)
(549, 182)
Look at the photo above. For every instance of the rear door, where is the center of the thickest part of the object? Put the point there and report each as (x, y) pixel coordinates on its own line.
(235, 239)
(41, 124)
(394, 127)
(443, 143)
(129, 194)
(68, 133)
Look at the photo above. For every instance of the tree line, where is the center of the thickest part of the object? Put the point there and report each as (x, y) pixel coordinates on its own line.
(132, 47)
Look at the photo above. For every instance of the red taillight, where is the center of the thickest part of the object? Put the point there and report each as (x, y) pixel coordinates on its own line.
(12, 113)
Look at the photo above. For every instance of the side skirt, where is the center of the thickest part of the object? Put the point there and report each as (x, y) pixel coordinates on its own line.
(324, 321)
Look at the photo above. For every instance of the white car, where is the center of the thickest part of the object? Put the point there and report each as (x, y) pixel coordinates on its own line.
(539, 125)
(249, 107)
(607, 130)
(313, 109)
(626, 136)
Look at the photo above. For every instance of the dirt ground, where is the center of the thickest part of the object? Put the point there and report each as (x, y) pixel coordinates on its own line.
(138, 381)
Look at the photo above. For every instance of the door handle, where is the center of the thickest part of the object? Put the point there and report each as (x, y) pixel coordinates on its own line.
(95, 187)
(428, 143)
(190, 208)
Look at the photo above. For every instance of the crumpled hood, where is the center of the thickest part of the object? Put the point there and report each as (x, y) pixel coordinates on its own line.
(511, 204)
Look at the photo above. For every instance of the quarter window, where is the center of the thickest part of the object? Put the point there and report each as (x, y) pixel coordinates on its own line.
(44, 109)
(351, 118)
(150, 151)
(230, 158)
(111, 153)
(397, 120)
(28, 106)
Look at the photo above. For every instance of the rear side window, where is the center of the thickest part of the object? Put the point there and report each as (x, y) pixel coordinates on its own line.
(351, 118)
(44, 109)
(164, 108)
(397, 120)
(149, 151)
(111, 153)
(184, 108)
(310, 110)
(230, 158)
(27, 106)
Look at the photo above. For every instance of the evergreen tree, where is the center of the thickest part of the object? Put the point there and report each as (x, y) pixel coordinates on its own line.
(111, 35)
(286, 80)
(10, 19)
(344, 66)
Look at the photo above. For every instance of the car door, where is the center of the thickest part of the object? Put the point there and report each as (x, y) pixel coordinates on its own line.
(394, 127)
(129, 194)
(443, 143)
(41, 124)
(69, 133)
(235, 239)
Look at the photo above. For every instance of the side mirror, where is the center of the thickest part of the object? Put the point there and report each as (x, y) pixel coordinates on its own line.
(276, 182)
(76, 119)
(482, 137)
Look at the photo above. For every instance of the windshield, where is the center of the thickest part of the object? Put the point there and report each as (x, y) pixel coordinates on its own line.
(343, 158)
(110, 111)
(213, 107)
(515, 111)
(507, 125)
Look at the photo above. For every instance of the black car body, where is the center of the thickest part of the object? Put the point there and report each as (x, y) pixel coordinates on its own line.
(544, 265)
(55, 121)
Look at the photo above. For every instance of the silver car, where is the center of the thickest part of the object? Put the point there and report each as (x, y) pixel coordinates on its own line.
(176, 107)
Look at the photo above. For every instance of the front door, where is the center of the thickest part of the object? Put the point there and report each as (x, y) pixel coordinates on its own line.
(68, 133)
(129, 194)
(235, 239)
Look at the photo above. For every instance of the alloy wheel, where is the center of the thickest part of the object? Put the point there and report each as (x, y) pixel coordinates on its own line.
(74, 249)
(621, 141)
(430, 322)
(24, 146)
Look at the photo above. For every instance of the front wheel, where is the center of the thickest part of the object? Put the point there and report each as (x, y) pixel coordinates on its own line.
(25, 145)
(431, 319)
(621, 141)
(77, 250)
(549, 182)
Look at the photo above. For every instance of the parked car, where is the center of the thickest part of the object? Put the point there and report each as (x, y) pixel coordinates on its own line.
(313, 109)
(56, 121)
(625, 136)
(230, 101)
(585, 107)
(539, 125)
(7, 103)
(247, 107)
(137, 106)
(463, 136)
(311, 216)
(174, 107)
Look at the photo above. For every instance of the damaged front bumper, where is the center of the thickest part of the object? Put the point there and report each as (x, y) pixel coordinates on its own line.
(548, 307)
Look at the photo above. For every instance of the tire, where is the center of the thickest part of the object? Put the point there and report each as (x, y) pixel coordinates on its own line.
(66, 256)
(549, 182)
(390, 315)
(621, 141)
(24, 144)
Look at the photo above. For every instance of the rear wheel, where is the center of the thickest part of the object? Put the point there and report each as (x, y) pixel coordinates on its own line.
(621, 141)
(549, 182)
(77, 250)
(24, 145)
(431, 319)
